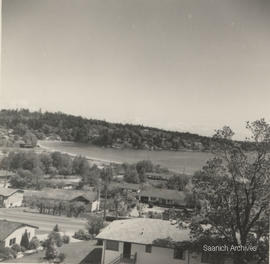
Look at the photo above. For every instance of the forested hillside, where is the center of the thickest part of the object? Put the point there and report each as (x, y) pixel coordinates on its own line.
(66, 127)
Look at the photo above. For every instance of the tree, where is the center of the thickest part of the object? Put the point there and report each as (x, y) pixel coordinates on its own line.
(46, 162)
(94, 224)
(234, 186)
(144, 166)
(51, 249)
(34, 243)
(131, 176)
(30, 139)
(56, 228)
(56, 237)
(80, 166)
(25, 240)
(92, 177)
(178, 182)
(37, 173)
(106, 176)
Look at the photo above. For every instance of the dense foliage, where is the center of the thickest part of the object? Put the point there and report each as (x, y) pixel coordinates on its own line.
(57, 207)
(30, 167)
(73, 128)
(94, 224)
(235, 189)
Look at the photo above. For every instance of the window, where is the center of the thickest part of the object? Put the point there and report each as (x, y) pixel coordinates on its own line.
(148, 249)
(179, 253)
(112, 245)
(12, 241)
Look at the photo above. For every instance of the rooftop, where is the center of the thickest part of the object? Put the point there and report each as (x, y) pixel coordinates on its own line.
(126, 185)
(8, 191)
(165, 194)
(7, 227)
(143, 231)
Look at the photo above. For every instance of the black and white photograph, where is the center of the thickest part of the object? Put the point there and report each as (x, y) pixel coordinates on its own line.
(135, 131)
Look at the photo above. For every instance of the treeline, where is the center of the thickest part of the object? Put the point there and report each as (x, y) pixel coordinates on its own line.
(75, 128)
(57, 207)
(137, 173)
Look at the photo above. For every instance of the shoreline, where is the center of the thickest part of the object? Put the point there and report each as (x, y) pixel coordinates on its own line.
(92, 159)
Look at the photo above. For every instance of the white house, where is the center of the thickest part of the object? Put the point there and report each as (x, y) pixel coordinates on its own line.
(10, 197)
(163, 197)
(11, 232)
(133, 241)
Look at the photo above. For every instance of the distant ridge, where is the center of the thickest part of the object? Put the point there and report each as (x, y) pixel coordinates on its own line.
(60, 126)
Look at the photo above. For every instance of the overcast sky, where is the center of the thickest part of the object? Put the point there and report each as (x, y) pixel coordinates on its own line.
(190, 65)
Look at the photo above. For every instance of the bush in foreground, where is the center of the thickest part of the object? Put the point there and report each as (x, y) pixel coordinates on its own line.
(34, 243)
(82, 235)
(65, 239)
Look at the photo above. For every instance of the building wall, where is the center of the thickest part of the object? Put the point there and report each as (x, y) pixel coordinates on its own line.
(17, 234)
(95, 206)
(14, 200)
(158, 255)
(110, 255)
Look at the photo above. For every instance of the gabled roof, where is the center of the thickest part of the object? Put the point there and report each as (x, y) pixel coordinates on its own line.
(126, 185)
(8, 191)
(175, 195)
(143, 231)
(8, 227)
(65, 195)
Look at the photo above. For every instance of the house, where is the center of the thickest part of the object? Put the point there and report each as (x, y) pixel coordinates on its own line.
(90, 198)
(163, 197)
(126, 188)
(10, 197)
(11, 232)
(135, 241)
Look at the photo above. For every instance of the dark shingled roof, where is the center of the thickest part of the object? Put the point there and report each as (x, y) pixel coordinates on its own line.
(7, 227)
(175, 195)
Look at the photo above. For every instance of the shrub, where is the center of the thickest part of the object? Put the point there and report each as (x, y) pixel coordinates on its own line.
(34, 243)
(16, 248)
(25, 240)
(61, 257)
(7, 253)
(94, 224)
(56, 237)
(82, 235)
(23, 248)
(56, 228)
(65, 239)
(51, 250)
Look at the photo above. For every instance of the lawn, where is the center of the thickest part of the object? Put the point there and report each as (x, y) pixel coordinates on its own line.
(86, 252)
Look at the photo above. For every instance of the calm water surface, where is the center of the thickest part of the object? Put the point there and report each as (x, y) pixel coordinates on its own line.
(180, 161)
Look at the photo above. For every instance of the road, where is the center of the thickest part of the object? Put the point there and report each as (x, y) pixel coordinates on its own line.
(45, 223)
